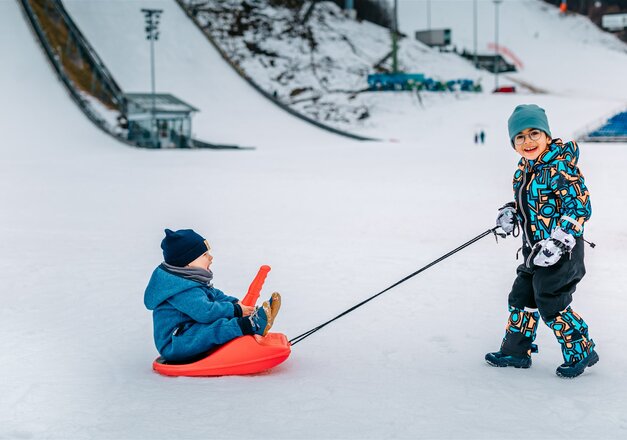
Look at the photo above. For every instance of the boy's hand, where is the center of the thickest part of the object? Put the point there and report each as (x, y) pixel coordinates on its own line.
(549, 251)
(507, 219)
(246, 310)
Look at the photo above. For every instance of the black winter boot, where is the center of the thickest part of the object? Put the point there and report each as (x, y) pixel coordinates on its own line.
(517, 344)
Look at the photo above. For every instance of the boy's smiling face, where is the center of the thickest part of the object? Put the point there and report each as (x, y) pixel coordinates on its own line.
(531, 143)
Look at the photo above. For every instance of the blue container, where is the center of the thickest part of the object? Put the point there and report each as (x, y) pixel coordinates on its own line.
(395, 81)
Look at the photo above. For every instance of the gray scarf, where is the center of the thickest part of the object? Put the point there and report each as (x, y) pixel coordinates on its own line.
(201, 276)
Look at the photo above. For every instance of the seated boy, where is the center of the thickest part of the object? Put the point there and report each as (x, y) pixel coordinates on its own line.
(190, 316)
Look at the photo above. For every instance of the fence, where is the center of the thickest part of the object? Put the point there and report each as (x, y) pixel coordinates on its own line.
(74, 43)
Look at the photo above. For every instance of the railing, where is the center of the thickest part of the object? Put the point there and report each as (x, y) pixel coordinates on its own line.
(114, 94)
(104, 76)
(106, 80)
(587, 134)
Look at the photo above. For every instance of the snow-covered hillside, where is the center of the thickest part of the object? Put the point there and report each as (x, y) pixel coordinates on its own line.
(549, 46)
(563, 55)
(338, 220)
(186, 66)
(317, 66)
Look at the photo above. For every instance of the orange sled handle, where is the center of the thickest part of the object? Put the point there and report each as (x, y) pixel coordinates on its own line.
(255, 287)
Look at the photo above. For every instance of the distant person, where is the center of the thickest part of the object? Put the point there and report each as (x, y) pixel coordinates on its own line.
(190, 316)
(122, 122)
(482, 136)
(476, 138)
(551, 206)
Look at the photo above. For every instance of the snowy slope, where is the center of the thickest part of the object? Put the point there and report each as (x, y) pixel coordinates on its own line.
(564, 55)
(186, 65)
(318, 67)
(82, 217)
(207, 83)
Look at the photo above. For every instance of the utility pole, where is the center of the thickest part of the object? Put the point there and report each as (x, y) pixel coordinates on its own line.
(474, 51)
(496, 42)
(395, 39)
(428, 14)
(152, 34)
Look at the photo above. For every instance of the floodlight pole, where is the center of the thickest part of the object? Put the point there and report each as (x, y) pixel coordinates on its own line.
(152, 34)
(428, 14)
(395, 39)
(152, 78)
(496, 42)
(474, 51)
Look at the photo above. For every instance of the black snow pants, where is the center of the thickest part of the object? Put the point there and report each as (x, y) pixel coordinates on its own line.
(549, 289)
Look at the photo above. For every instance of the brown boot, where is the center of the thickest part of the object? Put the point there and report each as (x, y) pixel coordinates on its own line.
(275, 305)
(267, 313)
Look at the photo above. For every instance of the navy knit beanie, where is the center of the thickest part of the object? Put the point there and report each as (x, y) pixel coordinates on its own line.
(182, 247)
(527, 116)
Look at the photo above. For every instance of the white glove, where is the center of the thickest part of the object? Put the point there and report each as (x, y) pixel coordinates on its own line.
(506, 219)
(549, 251)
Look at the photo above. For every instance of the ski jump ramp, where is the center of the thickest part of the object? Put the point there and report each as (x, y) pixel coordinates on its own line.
(186, 65)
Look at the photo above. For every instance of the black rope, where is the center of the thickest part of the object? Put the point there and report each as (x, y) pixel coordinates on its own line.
(302, 336)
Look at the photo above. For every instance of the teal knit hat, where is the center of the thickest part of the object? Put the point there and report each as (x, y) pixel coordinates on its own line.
(527, 116)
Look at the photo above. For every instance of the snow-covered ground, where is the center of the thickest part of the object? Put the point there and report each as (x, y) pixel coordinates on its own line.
(82, 217)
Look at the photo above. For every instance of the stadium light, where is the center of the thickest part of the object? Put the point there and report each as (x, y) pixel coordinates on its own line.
(474, 33)
(428, 14)
(152, 34)
(395, 39)
(496, 42)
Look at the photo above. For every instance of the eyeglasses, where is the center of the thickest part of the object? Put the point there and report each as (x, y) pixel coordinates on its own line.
(534, 135)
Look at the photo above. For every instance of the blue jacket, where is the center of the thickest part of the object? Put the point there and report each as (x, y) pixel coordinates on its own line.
(189, 318)
(551, 192)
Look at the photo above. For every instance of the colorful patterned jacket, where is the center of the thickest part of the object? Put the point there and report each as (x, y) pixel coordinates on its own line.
(551, 192)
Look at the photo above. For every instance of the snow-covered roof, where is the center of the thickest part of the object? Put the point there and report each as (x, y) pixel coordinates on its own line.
(163, 102)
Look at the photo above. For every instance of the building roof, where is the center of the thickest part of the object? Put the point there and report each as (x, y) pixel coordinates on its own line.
(164, 103)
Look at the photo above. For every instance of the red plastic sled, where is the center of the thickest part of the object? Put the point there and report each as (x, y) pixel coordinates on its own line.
(244, 355)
